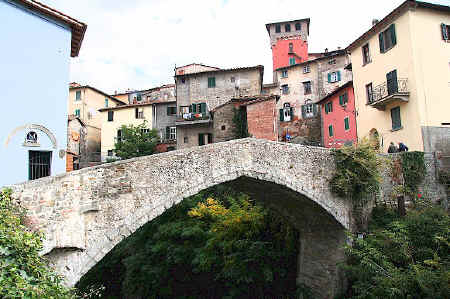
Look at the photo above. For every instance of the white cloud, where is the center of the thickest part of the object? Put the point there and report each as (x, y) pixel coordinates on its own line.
(136, 43)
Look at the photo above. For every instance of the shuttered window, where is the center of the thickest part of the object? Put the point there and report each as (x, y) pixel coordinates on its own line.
(445, 30)
(395, 116)
(291, 60)
(287, 27)
(277, 28)
(298, 26)
(106, 103)
(387, 39)
(346, 124)
(211, 82)
(78, 95)
(343, 99)
(77, 112)
(171, 110)
(334, 77)
(110, 115)
(392, 83)
(329, 107)
(330, 130)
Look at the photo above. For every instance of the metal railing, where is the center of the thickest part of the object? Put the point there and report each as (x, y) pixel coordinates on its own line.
(193, 116)
(384, 90)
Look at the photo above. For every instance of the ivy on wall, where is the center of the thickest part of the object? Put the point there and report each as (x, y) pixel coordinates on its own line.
(240, 123)
(413, 167)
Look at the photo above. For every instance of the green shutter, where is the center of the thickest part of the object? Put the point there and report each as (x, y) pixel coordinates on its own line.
(291, 112)
(346, 123)
(203, 107)
(396, 120)
(444, 32)
(381, 39)
(393, 35)
(339, 75)
(326, 108)
(330, 130)
(201, 139)
(194, 108)
(341, 100)
(345, 98)
(167, 132)
(190, 108)
(211, 82)
(281, 114)
(329, 77)
(106, 103)
(168, 110)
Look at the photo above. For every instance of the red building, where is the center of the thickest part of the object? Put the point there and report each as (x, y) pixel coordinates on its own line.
(338, 117)
(289, 42)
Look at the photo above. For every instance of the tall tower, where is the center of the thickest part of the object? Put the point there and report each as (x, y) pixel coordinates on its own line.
(289, 42)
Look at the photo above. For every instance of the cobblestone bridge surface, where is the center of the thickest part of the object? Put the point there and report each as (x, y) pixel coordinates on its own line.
(85, 213)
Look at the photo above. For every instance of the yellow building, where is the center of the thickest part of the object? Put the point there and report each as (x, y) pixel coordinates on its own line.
(84, 102)
(115, 117)
(401, 77)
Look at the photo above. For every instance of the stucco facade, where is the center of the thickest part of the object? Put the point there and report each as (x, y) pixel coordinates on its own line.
(122, 115)
(34, 82)
(416, 113)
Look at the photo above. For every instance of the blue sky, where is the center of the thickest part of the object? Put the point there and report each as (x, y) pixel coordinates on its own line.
(137, 43)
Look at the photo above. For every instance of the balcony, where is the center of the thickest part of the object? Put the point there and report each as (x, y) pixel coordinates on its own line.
(193, 118)
(388, 92)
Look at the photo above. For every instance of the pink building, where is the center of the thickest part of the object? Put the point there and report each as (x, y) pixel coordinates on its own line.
(338, 117)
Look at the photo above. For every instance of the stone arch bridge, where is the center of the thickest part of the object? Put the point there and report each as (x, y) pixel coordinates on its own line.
(85, 213)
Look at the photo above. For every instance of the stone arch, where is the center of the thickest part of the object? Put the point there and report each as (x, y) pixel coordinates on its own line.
(109, 202)
(33, 127)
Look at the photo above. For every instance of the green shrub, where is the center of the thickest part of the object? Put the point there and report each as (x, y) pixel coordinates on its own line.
(23, 273)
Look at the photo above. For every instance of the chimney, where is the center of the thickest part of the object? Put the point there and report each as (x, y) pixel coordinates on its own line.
(374, 22)
(339, 48)
(326, 50)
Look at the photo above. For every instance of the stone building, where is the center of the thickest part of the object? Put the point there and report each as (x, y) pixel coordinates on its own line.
(84, 101)
(302, 85)
(200, 89)
(258, 114)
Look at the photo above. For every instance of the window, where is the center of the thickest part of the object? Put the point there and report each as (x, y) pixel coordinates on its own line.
(343, 99)
(198, 108)
(291, 47)
(307, 86)
(298, 26)
(183, 80)
(330, 130)
(203, 136)
(277, 28)
(223, 128)
(306, 69)
(334, 77)
(139, 113)
(171, 110)
(76, 163)
(328, 107)
(185, 139)
(286, 113)
(392, 83)
(110, 153)
(39, 164)
(119, 136)
(287, 27)
(284, 74)
(184, 111)
(445, 29)
(77, 112)
(332, 61)
(285, 89)
(366, 54)
(309, 110)
(369, 93)
(171, 133)
(232, 79)
(110, 115)
(291, 60)
(145, 131)
(395, 116)
(387, 39)
(106, 103)
(346, 123)
(78, 95)
(211, 82)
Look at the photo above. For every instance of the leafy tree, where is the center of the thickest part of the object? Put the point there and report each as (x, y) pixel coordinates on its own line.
(23, 273)
(136, 141)
(216, 244)
(402, 257)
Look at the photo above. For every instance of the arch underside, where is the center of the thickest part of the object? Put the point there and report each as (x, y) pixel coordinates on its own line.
(307, 215)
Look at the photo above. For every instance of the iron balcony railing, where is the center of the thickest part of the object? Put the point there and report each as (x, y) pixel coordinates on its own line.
(382, 91)
(193, 116)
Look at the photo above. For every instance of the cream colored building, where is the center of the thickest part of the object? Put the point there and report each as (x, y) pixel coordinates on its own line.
(84, 102)
(114, 118)
(401, 70)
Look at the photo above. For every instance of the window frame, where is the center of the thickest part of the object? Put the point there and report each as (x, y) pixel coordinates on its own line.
(110, 115)
(287, 27)
(328, 107)
(284, 73)
(332, 61)
(298, 26)
(307, 69)
(387, 39)
(211, 82)
(396, 123)
(292, 61)
(336, 75)
(369, 94)
(330, 131)
(78, 95)
(285, 89)
(277, 28)
(307, 86)
(366, 58)
(109, 153)
(347, 123)
(173, 133)
(171, 110)
(77, 112)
